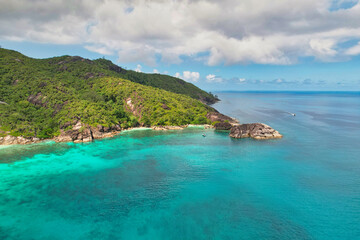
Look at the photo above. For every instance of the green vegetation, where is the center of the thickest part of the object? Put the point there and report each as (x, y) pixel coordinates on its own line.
(42, 96)
(166, 82)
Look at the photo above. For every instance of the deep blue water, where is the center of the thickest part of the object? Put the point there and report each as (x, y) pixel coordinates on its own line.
(180, 185)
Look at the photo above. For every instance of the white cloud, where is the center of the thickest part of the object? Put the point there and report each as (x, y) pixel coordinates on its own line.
(355, 50)
(210, 77)
(279, 81)
(155, 71)
(230, 31)
(323, 48)
(189, 76)
(213, 78)
(101, 50)
(138, 68)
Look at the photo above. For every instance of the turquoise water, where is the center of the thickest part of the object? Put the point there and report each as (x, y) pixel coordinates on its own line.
(179, 185)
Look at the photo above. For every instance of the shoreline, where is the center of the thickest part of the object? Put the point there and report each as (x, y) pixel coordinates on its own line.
(9, 140)
(82, 133)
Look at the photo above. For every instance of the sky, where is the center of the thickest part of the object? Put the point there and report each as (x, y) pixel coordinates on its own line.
(216, 45)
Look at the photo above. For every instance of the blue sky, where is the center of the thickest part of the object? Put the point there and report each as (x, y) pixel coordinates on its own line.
(227, 45)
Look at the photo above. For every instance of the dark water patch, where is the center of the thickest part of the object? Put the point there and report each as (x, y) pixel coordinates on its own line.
(227, 219)
(115, 192)
(334, 119)
(339, 185)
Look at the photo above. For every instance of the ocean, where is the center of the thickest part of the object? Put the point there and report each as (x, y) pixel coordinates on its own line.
(178, 184)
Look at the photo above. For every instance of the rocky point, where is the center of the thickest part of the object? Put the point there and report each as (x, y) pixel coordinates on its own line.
(254, 130)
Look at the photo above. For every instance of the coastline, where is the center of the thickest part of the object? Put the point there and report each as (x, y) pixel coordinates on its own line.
(82, 133)
(12, 140)
(150, 167)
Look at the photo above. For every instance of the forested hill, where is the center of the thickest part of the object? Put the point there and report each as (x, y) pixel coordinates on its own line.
(44, 97)
(77, 67)
(166, 82)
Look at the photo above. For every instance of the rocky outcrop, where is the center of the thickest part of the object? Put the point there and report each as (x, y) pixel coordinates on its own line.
(222, 126)
(164, 106)
(84, 133)
(130, 105)
(254, 130)
(79, 132)
(208, 100)
(64, 137)
(89, 75)
(10, 140)
(218, 117)
(70, 59)
(73, 134)
(97, 132)
(37, 99)
(133, 105)
(101, 132)
(117, 69)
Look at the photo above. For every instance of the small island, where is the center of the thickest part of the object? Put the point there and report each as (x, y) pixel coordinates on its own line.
(253, 130)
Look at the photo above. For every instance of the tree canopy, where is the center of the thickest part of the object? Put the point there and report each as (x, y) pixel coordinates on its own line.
(43, 96)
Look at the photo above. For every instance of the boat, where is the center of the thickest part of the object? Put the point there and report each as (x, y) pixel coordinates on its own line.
(292, 114)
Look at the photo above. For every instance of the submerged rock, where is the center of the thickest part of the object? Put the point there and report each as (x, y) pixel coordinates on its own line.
(254, 130)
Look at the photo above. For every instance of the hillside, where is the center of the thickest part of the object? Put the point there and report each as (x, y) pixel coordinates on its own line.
(73, 67)
(166, 82)
(45, 97)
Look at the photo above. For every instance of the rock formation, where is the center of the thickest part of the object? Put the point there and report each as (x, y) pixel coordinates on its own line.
(84, 133)
(164, 106)
(254, 130)
(222, 126)
(80, 132)
(218, 117)
(10, 140)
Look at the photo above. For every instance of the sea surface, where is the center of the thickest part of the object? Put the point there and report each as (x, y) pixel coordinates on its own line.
(180, 185)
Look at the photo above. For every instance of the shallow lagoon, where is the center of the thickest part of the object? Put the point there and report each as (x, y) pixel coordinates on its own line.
(179, 185)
